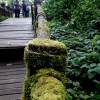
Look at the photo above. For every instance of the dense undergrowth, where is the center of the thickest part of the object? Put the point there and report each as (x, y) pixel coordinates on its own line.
(2, 18)
(76, 23)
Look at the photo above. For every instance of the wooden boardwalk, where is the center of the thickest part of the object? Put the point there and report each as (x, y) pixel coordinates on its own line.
(11, 80)
(14, 34)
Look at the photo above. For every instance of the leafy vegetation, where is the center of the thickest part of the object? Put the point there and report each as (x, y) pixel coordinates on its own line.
(76, 23)
(2, 18)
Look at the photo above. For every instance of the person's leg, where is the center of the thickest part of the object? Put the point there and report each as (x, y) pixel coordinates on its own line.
(15, 13)
(25, 13)
(18, 13)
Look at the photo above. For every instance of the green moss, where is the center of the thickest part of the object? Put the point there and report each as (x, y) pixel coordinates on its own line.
(26, 89)
(44, 53)
(42, 44)
(48, 88)
(47, 78)
(45, 60)
(35, 61)
(51, 72)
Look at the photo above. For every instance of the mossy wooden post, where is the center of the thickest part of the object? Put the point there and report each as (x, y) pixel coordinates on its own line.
(32, 13)
(45, 60)
(42, 30)
(5, 12)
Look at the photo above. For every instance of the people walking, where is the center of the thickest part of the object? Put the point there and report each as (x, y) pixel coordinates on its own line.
(28, 10)
(24, 6)
(16, 8)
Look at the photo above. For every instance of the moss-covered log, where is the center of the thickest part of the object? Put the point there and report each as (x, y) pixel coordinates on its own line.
(42, 30)
(45, 60)
(47, 84)
(44, 53)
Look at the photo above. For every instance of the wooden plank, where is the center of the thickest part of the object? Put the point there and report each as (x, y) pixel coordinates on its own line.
(16, 26)
(13, 73)
(16, 62)
(16, 36)
(10, 97)
(11, 43)
(19, 20)
(15, 69)
(15, 23)
(4, 41)
(14, 46)
(11, 91)
(17, 32)
(12, 85)
(14, 32)
(5, 77)
(15, 29)
(9, 81)
(13, 37)
(10, 35)
(9, 65)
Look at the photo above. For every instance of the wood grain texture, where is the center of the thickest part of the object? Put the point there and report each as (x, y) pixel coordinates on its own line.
(12, 76)
(15, 32)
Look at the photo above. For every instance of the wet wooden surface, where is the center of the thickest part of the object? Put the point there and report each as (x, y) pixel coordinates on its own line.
(12, 76)
(15, 32)
(14, 35)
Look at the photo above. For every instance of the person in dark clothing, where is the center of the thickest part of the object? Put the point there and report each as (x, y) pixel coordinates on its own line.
(24, 6)
(28, 10)
(16, 8)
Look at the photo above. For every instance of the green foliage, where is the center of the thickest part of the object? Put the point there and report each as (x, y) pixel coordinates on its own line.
(2, 18)
(59, 9)
(80, 32)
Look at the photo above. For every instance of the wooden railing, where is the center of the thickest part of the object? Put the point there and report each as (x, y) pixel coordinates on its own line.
(45, 60)
(5, 11)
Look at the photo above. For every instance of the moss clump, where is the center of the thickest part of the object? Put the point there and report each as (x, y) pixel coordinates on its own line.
(41, 45)
(48, 88)
(44, 53)
(35, 61)
(49, 79)
(45, 60)
(50, 72)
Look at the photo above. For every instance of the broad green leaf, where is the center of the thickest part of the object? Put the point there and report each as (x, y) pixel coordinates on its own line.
(98, 64)
(98, 42)
(76, 84)
(94, 42)
(91, 75)
(96, 81)
(93, 65)
(85, 97)
(84, 66)
(77, 73)
(97, 70)
(70, 91)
